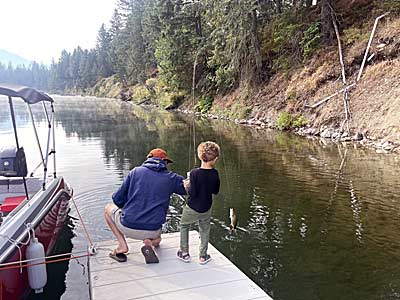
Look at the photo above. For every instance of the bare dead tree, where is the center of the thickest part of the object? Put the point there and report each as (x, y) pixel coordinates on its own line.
(346, 92)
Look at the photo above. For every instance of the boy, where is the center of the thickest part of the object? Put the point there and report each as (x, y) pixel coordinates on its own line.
(203, 182)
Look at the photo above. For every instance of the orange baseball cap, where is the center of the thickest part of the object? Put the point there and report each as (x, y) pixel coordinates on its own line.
(159, 153)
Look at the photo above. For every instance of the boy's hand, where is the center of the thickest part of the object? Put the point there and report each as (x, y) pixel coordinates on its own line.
(186, 183)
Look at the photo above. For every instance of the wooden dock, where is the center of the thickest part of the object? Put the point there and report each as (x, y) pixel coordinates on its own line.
(171, 278)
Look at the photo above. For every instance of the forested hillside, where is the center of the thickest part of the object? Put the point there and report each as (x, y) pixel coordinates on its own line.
(248, 57)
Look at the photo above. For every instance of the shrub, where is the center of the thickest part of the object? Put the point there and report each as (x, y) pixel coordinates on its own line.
(310, 39)
(353, 34)
(204, 104)
(287, 121)
(284, 121)
(300, 121)
(224, 78)
(151, 82)
(140, 93)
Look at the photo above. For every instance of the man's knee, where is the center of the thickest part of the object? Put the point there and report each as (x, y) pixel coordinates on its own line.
(109, 207)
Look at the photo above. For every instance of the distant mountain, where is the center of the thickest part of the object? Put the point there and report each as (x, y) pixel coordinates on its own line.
(16, 60)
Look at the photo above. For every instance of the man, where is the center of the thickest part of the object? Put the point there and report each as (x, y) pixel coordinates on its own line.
(141, 204)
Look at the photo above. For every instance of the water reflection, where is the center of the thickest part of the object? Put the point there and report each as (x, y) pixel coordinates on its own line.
(316, 220)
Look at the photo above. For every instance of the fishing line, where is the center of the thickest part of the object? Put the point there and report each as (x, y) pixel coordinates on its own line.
(194, 142)
(224, 167)
(190, 147)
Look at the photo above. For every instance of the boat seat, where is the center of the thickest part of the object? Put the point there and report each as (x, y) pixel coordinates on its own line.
(10, 203)
(10, 187)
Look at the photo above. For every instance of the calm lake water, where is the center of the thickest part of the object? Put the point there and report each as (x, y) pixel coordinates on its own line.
(316, 220)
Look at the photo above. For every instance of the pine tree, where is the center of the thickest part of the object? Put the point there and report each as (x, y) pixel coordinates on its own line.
(104, 50)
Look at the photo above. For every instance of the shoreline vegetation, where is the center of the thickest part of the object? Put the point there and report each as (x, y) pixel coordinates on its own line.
(328, 70)
(325, 133)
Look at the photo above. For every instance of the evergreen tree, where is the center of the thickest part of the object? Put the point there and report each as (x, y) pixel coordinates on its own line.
(104, 50)
(234, 42)
(178, 43)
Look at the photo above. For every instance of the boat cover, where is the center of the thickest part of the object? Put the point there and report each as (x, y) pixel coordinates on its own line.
(29, 95)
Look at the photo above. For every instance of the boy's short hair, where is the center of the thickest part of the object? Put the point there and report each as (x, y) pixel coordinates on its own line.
(208, 151)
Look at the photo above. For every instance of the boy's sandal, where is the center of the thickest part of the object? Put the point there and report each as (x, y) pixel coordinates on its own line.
(119, 257)
(204, 259)
(183, 257)
(149, 255)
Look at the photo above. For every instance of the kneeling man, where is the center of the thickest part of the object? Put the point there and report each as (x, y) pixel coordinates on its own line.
(141, 204)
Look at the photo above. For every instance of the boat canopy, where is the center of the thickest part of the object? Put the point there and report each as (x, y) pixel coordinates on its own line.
(29, 95)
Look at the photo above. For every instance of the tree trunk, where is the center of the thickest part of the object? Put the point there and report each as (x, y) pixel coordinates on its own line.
(327, 29)
(199, 30)
(257, 50)
(278, 6)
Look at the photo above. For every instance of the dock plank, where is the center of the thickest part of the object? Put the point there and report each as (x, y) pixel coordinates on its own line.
(171, 278)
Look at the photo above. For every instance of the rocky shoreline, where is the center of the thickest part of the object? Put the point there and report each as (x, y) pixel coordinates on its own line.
(325, 133)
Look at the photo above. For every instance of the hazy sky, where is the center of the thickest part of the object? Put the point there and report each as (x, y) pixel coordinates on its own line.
(40, 29)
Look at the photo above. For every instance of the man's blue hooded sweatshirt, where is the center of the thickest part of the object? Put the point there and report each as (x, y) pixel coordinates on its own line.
(145, 194)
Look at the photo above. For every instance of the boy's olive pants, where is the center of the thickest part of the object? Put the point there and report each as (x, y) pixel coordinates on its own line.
(190, 216)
